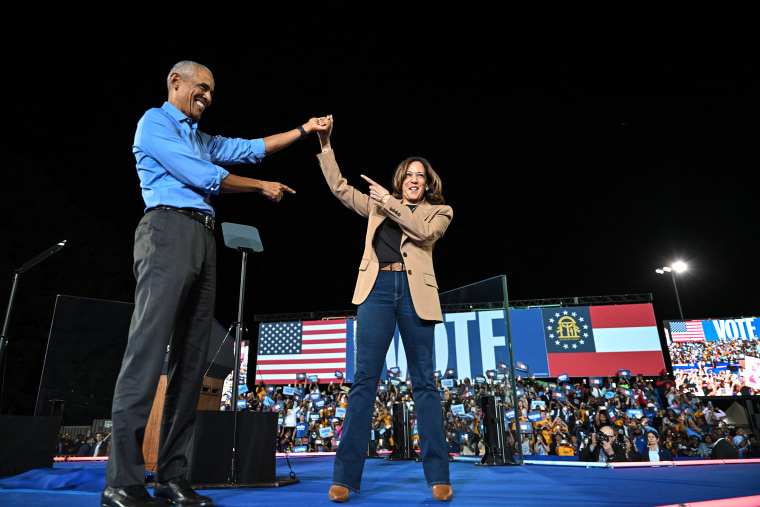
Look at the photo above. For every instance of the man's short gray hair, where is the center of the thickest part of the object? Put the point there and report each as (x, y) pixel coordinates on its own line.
(185, 69)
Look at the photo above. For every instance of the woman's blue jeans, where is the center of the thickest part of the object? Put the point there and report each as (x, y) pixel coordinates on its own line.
(390, 303)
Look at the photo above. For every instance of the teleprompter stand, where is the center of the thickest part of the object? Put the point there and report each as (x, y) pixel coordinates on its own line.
(403, 449)
(498, 451)
(254, 466)
(34, 438)
(41, 257)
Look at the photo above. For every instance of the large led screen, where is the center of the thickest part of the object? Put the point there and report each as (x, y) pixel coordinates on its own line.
(715, 357)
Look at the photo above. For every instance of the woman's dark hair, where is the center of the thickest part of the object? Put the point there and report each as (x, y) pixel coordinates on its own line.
(434, 190)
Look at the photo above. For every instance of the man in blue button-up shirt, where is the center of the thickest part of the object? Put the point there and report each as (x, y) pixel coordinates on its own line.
(175, 268)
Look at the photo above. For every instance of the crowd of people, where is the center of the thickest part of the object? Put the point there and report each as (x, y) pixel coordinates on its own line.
(631, 419)
(84, 445)
(713, 368)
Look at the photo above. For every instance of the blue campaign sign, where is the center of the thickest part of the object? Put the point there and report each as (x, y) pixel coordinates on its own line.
(534, 416)
(731, 329)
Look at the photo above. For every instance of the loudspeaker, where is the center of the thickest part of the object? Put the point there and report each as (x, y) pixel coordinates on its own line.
(28, 443)
(210, 453)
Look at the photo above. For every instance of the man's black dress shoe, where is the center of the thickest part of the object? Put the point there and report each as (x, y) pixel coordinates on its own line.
(178, 492)
(127, 496)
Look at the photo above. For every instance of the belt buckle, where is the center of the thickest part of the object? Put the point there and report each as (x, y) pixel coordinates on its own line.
(209, 222)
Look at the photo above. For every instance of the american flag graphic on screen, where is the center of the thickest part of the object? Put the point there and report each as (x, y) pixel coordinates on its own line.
(688, 331)
(313, 347)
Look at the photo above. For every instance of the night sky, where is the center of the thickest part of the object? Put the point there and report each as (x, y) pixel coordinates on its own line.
(573, 171)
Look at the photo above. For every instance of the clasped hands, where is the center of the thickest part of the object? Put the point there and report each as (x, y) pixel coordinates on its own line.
(323, 127)
(274, 190)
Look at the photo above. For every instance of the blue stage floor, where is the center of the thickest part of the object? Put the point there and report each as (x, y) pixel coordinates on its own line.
(394, 483)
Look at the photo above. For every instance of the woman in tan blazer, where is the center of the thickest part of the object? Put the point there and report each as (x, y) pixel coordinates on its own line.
(396, 285)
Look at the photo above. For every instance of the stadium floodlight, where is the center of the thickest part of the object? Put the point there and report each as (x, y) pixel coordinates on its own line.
(678, 267)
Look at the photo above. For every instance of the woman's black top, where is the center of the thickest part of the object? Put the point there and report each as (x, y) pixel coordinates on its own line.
(387, 242)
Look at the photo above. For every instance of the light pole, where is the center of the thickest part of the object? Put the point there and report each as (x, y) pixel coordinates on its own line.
(678, 267)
